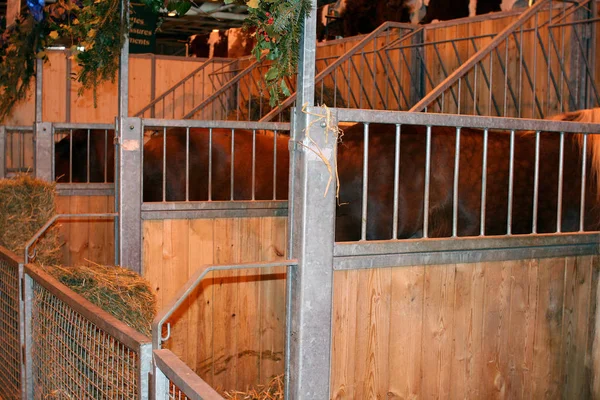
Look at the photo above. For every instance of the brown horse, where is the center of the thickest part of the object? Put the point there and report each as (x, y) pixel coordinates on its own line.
(76, 157)
(469, 183)
(171, 186)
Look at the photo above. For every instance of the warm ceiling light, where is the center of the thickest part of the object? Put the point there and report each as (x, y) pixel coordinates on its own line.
(215, 30)
(172, 13)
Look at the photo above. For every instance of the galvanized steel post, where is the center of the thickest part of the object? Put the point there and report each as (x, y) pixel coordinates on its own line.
(311, 223)
(129, 193)
(39, 66)
(43, 151)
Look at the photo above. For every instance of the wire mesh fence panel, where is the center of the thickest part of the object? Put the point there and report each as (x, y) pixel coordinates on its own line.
(73, 358)
(10, 348)
(175, 393)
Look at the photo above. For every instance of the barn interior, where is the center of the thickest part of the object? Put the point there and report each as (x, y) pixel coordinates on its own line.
(483, 316)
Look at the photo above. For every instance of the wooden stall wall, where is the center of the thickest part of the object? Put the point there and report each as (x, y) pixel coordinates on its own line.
(514, 329)
(87, 241)
(231, 331)
(62, 102)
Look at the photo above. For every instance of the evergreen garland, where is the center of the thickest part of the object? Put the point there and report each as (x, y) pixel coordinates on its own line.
(279, 25)
(92, 29)
(19, 48)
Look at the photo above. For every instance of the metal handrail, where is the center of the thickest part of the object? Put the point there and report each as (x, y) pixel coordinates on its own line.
(225, 87)
(51, 221)
(477, 57)
(177, 85)
(192, 283)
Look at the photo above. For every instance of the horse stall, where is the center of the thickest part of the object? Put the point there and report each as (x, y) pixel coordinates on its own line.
(453, 284)
(473, 274)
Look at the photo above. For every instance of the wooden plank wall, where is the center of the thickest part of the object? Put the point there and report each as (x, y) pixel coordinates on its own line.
(58, 90)
(231, 332)
(87, 241)
(518, 329)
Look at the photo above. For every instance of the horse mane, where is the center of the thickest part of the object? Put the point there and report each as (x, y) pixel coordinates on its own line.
(591, 115)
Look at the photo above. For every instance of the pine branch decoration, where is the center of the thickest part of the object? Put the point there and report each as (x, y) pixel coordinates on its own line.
(279, 26)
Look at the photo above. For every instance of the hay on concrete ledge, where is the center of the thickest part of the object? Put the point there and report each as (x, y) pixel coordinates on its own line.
(119, 291)
(272, 391)
(26, 204)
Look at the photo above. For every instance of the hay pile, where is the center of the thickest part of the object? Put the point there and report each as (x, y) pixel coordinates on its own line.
(272, 391)
(26, 204)
(119, 291)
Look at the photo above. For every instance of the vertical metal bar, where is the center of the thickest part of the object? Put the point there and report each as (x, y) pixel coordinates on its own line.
(484, 182)
(44, 151)
(427, 182)
(70, 155)
(105, 155)
(253, 164)
(210, 137)
(187, 163)
(2, 151)
(39, 92)
(396, 182)
(455, 184)
(161, 384)
(511, 182)
(311, 226)
(21, 150)
(124, 63)
(583, 182)
(232, 169)
(88, 156)
(164, 165)
(365, 183)
(560, 183)
(130, 193)
(536, 182)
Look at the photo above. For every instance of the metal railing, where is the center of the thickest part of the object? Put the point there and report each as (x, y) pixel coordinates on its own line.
(215, 161)
(193, 89)
(75, 349)
(83, 153)
(459, 162)
(172, 374)
(553, 70)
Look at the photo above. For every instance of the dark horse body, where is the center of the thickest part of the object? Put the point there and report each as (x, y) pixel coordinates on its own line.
(381, 179)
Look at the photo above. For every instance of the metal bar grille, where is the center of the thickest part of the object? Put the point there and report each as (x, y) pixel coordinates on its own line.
(10, 347)
(83, 153)
(18, 150)
(214, 161)
(459, 176)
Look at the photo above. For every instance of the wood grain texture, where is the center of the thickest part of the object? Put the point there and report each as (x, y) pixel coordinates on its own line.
(87, 241)
(231, 329)
(505, 330)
